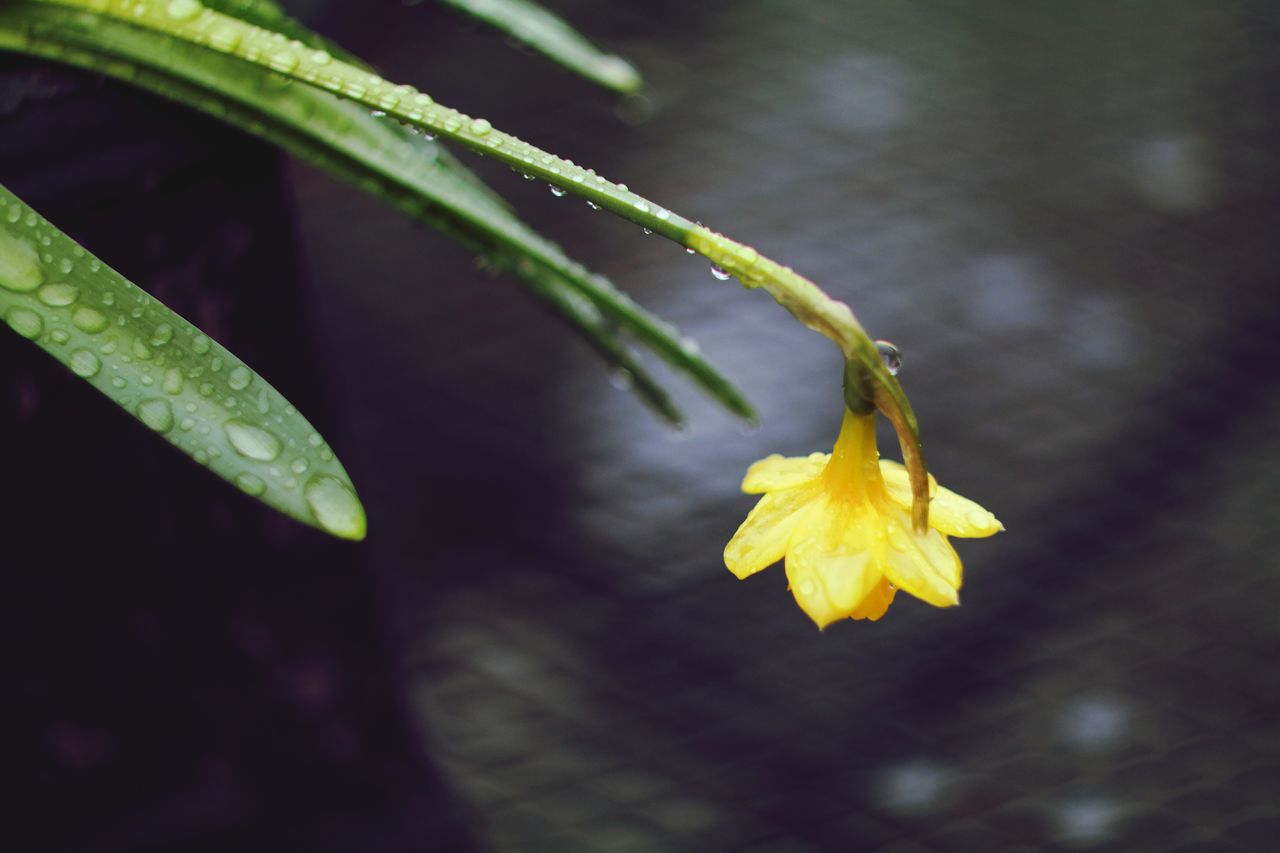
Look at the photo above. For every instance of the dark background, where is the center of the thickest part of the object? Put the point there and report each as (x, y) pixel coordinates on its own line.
(1064, 214)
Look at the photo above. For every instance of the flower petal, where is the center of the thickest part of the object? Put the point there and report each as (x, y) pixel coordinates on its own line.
(925, 566)
(833, 561)
(875, 604)
(782, 472)
(949, 512)
(762, 539)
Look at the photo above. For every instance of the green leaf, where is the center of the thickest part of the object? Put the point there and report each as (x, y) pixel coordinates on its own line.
(548, 34)
(382, 157)
(196, 25)
(167, 374)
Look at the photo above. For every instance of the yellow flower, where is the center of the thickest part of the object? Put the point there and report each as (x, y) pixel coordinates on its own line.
(843, 522)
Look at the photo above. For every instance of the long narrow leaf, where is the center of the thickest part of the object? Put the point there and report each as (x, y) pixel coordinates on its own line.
(167, 374)
(191, 22)
(382, 157)
(550, 35)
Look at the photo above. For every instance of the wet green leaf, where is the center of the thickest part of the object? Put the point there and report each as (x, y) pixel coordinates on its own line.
(165, 372)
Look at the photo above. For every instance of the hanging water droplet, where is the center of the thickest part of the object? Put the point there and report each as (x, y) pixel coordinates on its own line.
(335, 507)
(558, 192)
(251, 484)
(25, 322)
(156, 413)
(621, 379)
(239, 378)
(646, 231)
(252, 442)
(720, 273)
(593, 205)
(689, 251)
(891, 356)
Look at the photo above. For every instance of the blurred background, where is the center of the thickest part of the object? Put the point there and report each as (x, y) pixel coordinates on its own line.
(1064, 214)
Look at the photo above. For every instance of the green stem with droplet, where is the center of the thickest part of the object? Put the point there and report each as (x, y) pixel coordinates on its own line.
(187, 20)
(381, 157)
(166, 373)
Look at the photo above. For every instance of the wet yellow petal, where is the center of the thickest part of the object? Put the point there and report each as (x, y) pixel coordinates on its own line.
(925, 566)
(949, 512)
(762, 539)
(875, 604)
(833, 561)
(810, 593)
(782, 472)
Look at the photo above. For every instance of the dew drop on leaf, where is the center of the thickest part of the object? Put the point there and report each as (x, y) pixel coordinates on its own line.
(252, 442)
(156, 413)
(251, 484)
(335, 506)
(25, 322)
(239, 378)
(85, 364)
(19, 265)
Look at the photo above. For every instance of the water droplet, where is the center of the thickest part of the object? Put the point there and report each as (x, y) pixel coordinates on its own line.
(162, 334)
(663, 214)
(593, 205)
(187, 424)
(183, 10)
(807, 587)
(89, 320)
(172, 381)
(156, 413)
(283, 61)
(251, 484)
(252, 442)
(335, 506)
(200, 345)
(119, 382)
(19, 264)
(621, 379)
(690, 251)
(720, 273)
(891, 356)
(641, 206)
(59, 336)
(299, 466)
(239, 378)
(225, 38)
(480, 126)
(85, 364)
(140, 350)
(558, 192)
(646, 231)
(65, 266)
(25, 322)
(321, 57)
